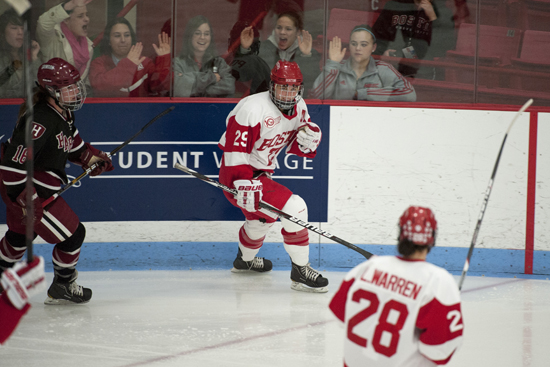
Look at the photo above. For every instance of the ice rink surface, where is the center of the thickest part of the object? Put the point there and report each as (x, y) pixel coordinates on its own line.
(214, 318)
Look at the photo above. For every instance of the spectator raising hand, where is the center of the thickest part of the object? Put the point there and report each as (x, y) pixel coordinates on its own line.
(122, 70)
(305, 42)
(335, 51)
(247, 37)
(360, 77)
(290, 42)
(134, 55)
(164, 47)
(62, 32)
(246, 66)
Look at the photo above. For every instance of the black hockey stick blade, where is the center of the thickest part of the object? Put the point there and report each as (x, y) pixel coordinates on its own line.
(488, 194)
(112, 153)
(276, 211)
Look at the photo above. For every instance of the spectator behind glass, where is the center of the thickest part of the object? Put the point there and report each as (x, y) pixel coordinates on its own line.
(121, 71)
(249, 9)
(248, 66)
(12, 56)
(289, 41)
(360, 77)
(405, 29)
(198, 72)
(62, 32)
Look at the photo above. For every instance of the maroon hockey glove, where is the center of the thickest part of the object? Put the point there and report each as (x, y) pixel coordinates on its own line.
(92, 155)
(20, 206)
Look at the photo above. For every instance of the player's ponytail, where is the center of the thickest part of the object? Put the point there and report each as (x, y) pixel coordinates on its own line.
(40, 94)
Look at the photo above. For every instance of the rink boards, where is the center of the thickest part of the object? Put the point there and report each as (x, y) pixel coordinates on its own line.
(373, 162)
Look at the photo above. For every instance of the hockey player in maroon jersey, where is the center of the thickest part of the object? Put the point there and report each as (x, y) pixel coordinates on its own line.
(19, 284)
(258, 129)
(400, 310)
(60, 91)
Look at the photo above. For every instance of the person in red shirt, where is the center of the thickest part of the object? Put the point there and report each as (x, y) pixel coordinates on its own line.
(401, 311)
(122, 71)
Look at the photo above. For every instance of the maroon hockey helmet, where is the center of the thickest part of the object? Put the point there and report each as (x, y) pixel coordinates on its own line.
(62, 81)
(418, 225)
(288, 76)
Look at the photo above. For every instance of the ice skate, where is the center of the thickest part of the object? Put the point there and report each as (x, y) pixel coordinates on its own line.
(307, 279)
(258, 264)
(67, 293)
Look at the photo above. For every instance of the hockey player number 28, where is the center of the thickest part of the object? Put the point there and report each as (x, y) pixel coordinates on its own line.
(383, 324)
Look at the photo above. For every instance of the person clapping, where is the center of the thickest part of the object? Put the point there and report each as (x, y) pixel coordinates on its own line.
(122, 70)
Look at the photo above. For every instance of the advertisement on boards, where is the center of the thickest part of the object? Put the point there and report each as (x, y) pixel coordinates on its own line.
(144, 186)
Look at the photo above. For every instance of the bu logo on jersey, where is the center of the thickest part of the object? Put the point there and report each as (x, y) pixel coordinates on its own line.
(270, 121)
(64, 142)
(37, 130)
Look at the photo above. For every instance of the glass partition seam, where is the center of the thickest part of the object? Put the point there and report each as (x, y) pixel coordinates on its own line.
(476, 51)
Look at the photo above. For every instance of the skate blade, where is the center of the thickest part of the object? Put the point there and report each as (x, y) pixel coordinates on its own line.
(55, 302)
(235, 270)
(300, 287)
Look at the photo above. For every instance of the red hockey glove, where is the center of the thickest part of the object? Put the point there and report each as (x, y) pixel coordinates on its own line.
(19, 283)
(249, 194)
(20, 206)
(308, 140)
(24, 281)
(92, 155)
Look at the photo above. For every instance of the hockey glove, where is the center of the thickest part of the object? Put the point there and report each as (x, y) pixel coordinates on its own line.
(24, 281)
(249, 194)
(308, 140)
(20, 206)
(92, 155)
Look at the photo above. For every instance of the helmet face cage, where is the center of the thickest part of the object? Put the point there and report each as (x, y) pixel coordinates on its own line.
(286, 87)
(285, 96)
(418, 225)
(71, 97)
(63, 83)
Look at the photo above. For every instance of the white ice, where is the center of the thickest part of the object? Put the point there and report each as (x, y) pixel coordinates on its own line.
(214, 318)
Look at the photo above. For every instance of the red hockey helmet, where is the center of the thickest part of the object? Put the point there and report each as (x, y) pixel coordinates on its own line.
(288, 77)
(62, 81)
(418, 225)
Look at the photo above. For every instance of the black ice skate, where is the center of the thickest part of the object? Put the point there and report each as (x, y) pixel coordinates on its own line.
(68, 292)
(307, 279)
(258, 264)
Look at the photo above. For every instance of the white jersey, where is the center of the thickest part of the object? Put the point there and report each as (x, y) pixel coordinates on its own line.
(398, 313)
(256, 133)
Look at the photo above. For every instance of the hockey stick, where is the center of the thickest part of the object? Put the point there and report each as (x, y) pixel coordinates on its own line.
(112, 153)
(272, 209)
(487, 194)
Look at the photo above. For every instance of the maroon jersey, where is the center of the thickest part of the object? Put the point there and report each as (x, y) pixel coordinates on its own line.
(403, 16)
(55, 140)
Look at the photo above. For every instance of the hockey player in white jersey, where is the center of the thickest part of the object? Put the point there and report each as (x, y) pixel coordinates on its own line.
(258, 129)
(401, 311)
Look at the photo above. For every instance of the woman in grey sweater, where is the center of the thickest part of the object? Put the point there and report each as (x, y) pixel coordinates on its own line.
(198, 72)
(360, 77)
